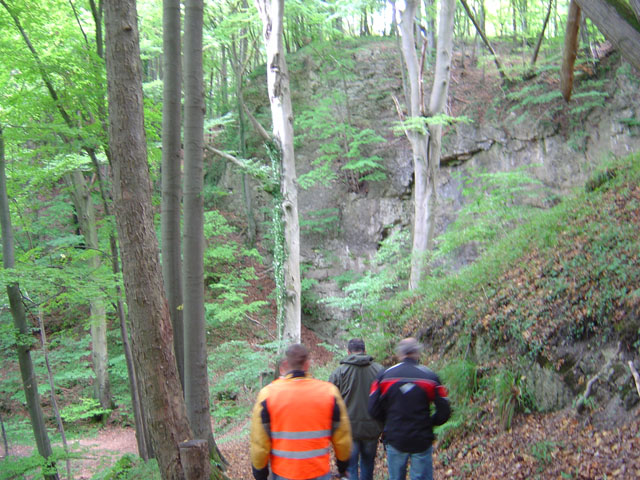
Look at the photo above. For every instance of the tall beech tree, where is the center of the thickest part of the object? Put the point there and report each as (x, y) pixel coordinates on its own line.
(423, 130)
(272, 13)
(151, 331)
(196, 386)
(171, 175)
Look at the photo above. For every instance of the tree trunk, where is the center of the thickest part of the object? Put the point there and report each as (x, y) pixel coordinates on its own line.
(23, 346)
(536, 50)
(570, 50)
(196, 386)
(635, 5)
(271, 12)
(419, 141)
(195, 457)
(98, 319)
(52, 393)
(142, 432)
(618, 24)
(437, 103)
(171, 176)
(151, 332)
(496, 60)
(239, 60)
(224, 83)
(429, 10)
(426, 144)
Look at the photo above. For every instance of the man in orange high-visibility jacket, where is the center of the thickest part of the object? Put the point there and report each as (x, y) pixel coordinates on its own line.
(295, 421)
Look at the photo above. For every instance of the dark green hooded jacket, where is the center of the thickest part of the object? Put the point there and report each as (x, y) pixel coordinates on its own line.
(353, 378)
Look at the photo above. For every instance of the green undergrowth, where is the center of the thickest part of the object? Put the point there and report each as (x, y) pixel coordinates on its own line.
(571, 273)
(590, 236)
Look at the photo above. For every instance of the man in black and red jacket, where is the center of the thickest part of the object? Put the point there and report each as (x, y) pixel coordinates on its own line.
(401, 397)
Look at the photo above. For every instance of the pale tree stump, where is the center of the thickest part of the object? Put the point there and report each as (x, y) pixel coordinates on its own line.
(194, 455)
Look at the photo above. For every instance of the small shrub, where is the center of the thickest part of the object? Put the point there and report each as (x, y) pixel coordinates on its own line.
(88, 408)
(460, 377)
(543, 452)
(511, 396)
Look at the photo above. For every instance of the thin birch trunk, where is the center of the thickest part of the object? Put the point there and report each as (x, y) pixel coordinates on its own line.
(52, 392)
(271, 13)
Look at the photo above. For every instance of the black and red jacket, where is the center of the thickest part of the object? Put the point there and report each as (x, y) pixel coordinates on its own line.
(402, 397)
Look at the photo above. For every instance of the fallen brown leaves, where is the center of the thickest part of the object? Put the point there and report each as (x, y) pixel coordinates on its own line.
(560, 445)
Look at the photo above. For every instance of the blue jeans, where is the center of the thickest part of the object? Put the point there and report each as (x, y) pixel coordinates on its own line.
(364, 453)
(421, 464)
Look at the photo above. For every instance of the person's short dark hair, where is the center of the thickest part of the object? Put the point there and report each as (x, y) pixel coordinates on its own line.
(296, 355)
(356, 345)
(408, 346)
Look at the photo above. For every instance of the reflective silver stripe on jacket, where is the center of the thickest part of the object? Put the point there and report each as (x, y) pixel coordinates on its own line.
(322, 477)
(297, 455)
(301, 435)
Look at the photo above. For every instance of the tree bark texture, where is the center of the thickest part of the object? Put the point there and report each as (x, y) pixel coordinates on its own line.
(570, 50)
(171, 175)
(618, 23)
(419, 141)
(151, 331)
(271, 13)
(195, 457)
(196, 386)
(635, 5)
(437, 103)
(23, 345)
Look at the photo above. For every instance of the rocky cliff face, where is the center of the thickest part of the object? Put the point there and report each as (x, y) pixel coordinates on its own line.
(562, 143)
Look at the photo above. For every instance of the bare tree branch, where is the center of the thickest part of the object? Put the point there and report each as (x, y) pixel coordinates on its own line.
(636, 377)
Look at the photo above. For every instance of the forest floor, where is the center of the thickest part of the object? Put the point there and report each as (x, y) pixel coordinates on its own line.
(560, 445)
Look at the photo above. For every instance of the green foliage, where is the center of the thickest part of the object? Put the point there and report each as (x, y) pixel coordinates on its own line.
(239, 372)
(366, 296)
(542, 451)
(511, 395)
(631, 122)
(130, 467)
(276, 232)
(88, 408)
(340, 145)
(308, 298)
(324, 221)
(228, 273)
(461, 379)
(381, 279)
(14, 468)
(495, 204)
(421, 125)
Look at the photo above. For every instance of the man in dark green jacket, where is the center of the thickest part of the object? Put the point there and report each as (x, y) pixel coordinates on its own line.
(353, 378)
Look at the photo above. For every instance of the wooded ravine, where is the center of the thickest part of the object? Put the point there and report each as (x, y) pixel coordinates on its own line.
(188, 187)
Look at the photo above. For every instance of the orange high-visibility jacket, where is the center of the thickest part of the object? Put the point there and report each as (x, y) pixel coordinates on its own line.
(294, 422)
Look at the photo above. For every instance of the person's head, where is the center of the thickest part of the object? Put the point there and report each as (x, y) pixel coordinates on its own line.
(297, 357)
(409, 347)
(355, 345)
